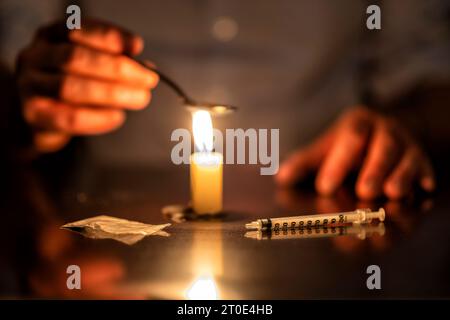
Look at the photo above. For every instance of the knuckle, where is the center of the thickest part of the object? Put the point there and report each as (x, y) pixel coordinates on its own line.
(66, 119)
(61, 120)
(98, 60)
(79, 58)
(135, 98)
(68, 87)
(98, 93)
(110, 33)
(388, 141)
(357, 112)
(354, 138)
(72, 120)
(358, 126)
(113, 38)
(117, 93)
(121, 66)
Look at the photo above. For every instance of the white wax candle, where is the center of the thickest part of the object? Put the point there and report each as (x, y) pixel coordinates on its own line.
(206, 182)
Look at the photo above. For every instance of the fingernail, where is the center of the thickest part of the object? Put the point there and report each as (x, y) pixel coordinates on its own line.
(373, 185)
(428, 184)
(368, 188)
(282, 175)
(326, 186)
(370, 184)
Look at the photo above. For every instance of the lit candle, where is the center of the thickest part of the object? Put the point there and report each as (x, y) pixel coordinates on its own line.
(206, 167)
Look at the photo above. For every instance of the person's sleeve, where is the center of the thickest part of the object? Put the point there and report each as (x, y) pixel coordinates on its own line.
(412, 48)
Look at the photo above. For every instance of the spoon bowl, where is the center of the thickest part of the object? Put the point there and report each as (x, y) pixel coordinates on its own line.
(213, 109)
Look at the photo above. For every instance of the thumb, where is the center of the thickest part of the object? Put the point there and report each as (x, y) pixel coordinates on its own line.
(304, 161)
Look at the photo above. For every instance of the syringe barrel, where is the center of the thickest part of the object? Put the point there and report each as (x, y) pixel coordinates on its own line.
(357, 216)
(311, 220)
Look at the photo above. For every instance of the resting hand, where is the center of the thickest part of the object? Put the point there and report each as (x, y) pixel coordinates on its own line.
(389, 160)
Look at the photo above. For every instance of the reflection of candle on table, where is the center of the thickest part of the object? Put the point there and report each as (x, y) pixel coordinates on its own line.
(206, 167)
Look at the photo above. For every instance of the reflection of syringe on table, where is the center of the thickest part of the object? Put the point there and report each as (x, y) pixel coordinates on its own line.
(358, 216)
(360, 231)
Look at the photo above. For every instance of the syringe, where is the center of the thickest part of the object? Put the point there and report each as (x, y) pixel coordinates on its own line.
(357, 216)
(360, 231)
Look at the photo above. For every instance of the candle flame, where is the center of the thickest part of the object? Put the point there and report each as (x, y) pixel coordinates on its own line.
(203, 130)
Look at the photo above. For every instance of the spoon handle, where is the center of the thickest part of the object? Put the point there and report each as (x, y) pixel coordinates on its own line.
(184, 97)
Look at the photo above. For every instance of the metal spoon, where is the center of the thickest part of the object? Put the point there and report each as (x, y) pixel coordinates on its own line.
(189, 103)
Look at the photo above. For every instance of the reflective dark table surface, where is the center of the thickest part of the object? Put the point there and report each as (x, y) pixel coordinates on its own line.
(209, 258)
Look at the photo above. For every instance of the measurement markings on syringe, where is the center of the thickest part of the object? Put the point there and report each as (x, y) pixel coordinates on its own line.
(341, 230)
(310, 223)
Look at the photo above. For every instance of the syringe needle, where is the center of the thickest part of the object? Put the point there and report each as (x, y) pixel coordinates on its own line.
(252, 225)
